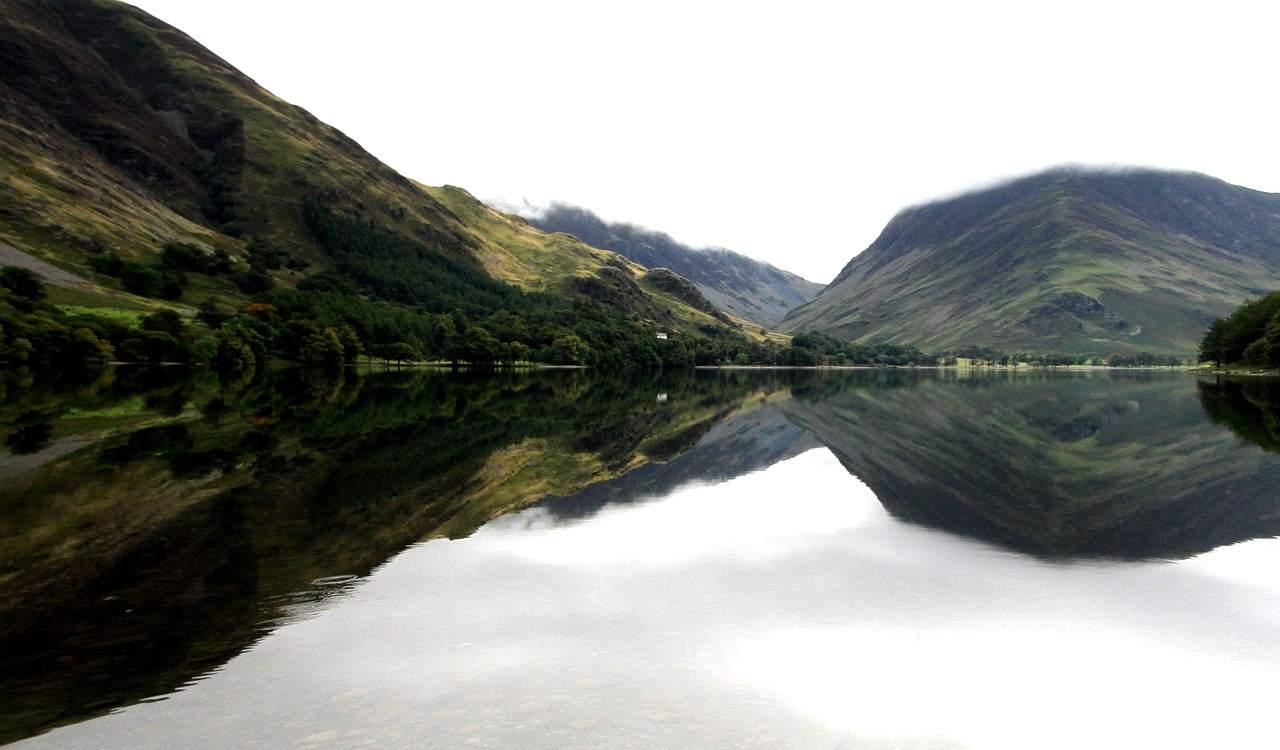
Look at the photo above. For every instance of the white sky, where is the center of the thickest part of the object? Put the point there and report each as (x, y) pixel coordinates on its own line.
(787, 132)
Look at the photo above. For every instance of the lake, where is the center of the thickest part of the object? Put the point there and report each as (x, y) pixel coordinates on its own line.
(571, 559)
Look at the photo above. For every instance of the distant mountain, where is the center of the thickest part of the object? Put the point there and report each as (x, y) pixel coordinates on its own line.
(741, 286)
(1070, 260)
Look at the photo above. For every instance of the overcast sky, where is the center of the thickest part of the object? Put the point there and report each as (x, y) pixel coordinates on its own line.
(790, 133)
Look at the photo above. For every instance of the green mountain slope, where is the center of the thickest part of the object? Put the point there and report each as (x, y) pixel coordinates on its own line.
(1078, 261)
(119, 133)
(741, 286)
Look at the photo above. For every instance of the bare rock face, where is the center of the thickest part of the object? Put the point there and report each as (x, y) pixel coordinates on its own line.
(1069, 312)
(682, 289)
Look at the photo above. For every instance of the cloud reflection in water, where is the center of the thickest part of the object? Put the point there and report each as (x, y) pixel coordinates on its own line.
(780, 609)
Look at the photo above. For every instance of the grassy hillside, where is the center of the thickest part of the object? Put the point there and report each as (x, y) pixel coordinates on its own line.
(121, 136)
(1074, 261)
(517, 252)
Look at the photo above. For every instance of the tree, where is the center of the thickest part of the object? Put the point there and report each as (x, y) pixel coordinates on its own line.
(23, 282)
(516, 352)
(19, 350)
(569, 350)
(141, 280)
(211, 315)
(239, 346)
(1233, 339)
(86, 347)
(252, 280)
(1270, 342)
(165, 321)
(399, 351)
(477, 346)
(323, 349)
(150, 346)
(351, 346)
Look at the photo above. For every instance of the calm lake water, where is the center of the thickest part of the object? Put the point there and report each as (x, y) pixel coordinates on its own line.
(567, 559)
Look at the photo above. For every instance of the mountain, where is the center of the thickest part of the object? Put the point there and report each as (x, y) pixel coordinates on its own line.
(121, 136)
(741, 286)
(1069, 260)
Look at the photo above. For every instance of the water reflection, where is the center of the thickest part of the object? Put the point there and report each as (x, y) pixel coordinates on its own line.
(1118, 465)
(690, 552)
(1249, 407)
(170, 516)
(718, 617)
(748, 442)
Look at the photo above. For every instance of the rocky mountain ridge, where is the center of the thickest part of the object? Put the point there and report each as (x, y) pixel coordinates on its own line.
(741, 286)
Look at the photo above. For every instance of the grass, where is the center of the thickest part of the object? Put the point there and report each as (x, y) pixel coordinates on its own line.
(131, 318)
(519, 253)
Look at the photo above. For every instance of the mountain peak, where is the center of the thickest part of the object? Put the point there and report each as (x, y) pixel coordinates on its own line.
(1070, 259)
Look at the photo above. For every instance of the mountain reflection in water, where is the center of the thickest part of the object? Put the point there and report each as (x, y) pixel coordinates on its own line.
(169, 521)
(1057, 465)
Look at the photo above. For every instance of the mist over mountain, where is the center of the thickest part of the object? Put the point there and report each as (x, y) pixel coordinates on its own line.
(1071, 260)
(742, 286)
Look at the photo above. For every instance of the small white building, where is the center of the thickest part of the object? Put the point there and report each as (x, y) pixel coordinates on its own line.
(662, 337)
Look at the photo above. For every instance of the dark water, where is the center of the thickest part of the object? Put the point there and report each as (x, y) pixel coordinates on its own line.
(710, 559)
